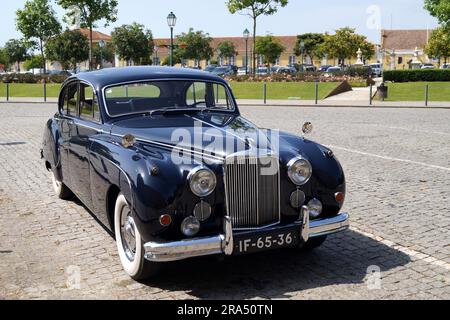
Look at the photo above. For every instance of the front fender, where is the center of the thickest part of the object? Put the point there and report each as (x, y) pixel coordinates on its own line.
(50, 147)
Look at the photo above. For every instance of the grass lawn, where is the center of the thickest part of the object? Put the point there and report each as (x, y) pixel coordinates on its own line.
(415, 91)
(281, 90)
(242, 90)
(22, 90)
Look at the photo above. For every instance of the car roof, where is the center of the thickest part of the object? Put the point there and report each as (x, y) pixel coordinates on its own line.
(111, 76)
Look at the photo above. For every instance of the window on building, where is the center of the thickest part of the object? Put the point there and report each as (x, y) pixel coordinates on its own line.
(260, 59)
(292, 59)
(232, 60)
(277, 61)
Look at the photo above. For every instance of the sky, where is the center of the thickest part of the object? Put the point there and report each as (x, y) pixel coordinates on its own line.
(212, 16)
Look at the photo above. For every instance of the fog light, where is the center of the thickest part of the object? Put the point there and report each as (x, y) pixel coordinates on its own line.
(165, 220)
(202, 211)
(315, 208)
(190, 226)
(297, 199)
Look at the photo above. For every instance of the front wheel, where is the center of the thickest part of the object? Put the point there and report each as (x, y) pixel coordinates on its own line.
(129, 243)
(61, 190)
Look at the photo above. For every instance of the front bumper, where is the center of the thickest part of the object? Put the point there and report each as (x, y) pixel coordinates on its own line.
(223, 243)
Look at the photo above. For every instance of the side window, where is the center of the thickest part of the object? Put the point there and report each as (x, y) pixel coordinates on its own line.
(72, 99)
(196, 94)
(86, 102)
(221, 97)
(96, 107)
(63, 105)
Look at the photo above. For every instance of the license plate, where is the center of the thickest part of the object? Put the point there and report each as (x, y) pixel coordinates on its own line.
(266, 240)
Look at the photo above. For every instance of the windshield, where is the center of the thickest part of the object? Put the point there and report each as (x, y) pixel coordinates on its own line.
(145, 97)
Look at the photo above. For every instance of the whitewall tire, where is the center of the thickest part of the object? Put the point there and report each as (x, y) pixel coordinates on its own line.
(60, 188)
(129, 243)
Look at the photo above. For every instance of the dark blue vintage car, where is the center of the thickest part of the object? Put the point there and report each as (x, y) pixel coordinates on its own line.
(163, 158)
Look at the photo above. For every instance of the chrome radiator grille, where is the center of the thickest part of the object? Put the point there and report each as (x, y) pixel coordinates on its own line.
(252, 191)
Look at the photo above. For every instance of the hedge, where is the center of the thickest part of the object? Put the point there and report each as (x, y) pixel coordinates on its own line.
(427, 75)
(31, 78)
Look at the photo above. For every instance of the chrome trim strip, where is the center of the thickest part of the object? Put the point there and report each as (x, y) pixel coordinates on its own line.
(223, 243)
(105, 105)
(160, 144)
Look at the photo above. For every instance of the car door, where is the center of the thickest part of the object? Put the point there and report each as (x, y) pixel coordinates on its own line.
(84, 127)
(65, 119)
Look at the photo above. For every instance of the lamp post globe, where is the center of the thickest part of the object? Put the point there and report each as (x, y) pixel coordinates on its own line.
(246, 37)
(171, 22)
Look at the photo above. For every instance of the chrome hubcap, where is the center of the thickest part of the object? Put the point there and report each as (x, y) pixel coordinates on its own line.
(128, 234)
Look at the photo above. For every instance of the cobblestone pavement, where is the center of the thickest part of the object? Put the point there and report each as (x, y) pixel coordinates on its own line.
(398, 169)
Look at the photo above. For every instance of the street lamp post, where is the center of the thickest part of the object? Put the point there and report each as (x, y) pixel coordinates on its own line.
(246, 36)
(171, 21)
(102, 45)
(302, 47)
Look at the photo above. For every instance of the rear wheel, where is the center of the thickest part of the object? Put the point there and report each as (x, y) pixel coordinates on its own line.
(61, 190)
(129, 243)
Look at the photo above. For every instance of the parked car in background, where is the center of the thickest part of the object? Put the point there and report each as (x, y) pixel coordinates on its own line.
(286, 70)
(445, 66)
(211, 67)
(427, 66)
(262, 71)
(242, 71)
(223, 71)
(334, 69)
(325, 67)
(113, 143)
(376, 69)
(60, 73)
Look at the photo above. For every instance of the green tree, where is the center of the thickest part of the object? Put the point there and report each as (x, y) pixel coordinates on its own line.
(88, 12)
(194, 45)
(69, 48)
(33, 62)
(37, 21)
(269, 48)
(345, 43)
(441, 10)
(105, 54)
(17, 51)
(254, 9)
(4, 61)
(312, 45)
(226, 49)
(133, 43)
(439, 44)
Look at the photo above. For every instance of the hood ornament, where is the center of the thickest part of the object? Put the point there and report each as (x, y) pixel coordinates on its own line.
(307, 128)
(128, 141)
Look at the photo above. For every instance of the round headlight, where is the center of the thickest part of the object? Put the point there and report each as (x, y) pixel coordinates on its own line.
(190, 226)
(202, 182)
(315, 208)
(300, 171)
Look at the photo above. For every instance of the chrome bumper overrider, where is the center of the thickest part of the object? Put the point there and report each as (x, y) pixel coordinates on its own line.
(223, 243)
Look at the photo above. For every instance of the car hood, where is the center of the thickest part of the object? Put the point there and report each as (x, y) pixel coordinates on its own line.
(217, 134)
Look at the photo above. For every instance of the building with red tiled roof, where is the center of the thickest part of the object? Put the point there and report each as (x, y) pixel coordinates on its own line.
(400, 45)
(97, 36)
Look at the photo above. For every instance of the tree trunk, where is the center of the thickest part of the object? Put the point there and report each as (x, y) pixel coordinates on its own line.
(254, 46)
(90, 48)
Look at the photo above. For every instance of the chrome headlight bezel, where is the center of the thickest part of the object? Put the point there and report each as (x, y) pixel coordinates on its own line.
(290, 169)
(194, 174)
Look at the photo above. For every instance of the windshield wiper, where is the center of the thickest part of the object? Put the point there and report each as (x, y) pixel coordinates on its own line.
(170, 110)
